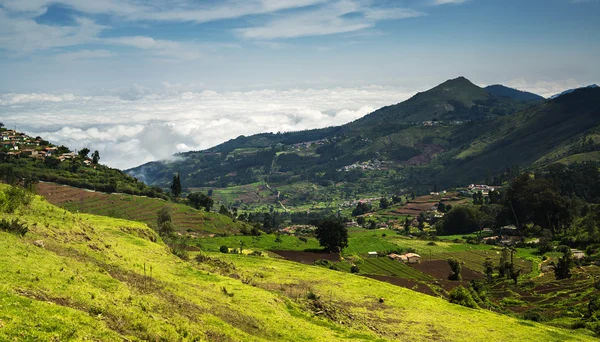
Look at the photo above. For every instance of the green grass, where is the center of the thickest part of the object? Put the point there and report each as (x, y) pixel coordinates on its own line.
(99, 278)
(143, 209)
(264, 242)
(386, 267)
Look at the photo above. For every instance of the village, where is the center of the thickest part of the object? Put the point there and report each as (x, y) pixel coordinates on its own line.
(16, 144)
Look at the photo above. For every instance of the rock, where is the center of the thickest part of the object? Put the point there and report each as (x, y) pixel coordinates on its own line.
(38, 243)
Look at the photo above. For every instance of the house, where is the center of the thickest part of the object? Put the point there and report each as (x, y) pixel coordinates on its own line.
(372, 254)
(413, 258)
(577, 254)
(408, 258)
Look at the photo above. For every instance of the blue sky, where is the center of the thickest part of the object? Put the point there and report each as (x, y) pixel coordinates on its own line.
(142, 79)
(84, 45)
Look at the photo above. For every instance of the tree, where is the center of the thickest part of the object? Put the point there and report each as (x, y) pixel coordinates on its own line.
(164, 221)
(372, 224)
(396, 199)
(562, 269)
(223, 211)
(441, 207)
(407, 226)
(83, 153)
(384, 203)
(332, 234)
(462, 296)
(460, 220)
(488, 267)
(361, 221)
(1, 125)
(545, 244)
(514, 274)
(455, 268)
(361, 208)
(176, 185)
(199, 200)
(95, 157)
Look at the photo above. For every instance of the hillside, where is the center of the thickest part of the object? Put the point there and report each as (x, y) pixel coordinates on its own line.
(186, 220)
(86, 277)
(30, 159)
(454, 134)
(565, 126)
(502, 91)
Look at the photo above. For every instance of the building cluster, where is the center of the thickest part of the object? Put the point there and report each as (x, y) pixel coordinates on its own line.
(370, 165)
(18, 144)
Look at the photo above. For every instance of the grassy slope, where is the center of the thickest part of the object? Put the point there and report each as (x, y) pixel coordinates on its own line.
(88, 283)
(142, 209)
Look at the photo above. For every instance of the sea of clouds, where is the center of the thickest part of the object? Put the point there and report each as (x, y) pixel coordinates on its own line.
(133, 126)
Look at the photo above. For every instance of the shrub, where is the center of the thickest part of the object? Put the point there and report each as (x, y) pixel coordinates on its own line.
(323, 262)
(431, 243)
(14, 227)
(462, 296)
(456, 269)
(224, 249)
(534, 316)
(354, 269)
(256, 253)
(563, 249)
(303, 239)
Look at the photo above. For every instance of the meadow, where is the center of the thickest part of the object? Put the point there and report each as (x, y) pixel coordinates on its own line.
(99, 278)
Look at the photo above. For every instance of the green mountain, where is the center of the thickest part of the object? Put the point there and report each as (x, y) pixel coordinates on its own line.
(499, 90)
(83, 277)
(453, 134)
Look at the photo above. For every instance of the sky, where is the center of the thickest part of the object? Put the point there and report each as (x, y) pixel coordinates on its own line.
(139, 80)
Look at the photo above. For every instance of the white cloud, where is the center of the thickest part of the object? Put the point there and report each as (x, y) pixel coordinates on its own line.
(84, 54)
(444, 2)
(337, 17)
(544, 88)
(25, 35)
(159, 123)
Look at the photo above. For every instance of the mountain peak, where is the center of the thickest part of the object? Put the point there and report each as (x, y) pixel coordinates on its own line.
(572, 90)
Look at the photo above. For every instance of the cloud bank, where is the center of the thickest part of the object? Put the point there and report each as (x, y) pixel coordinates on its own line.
(134, 126)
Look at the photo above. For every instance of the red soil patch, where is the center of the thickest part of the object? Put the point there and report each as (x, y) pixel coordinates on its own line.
(306, 257)
(57, 194)
(439, 269)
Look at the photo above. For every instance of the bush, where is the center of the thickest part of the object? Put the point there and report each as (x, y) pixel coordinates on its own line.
(323, 262)
(563, 249)
(224, 249)
(431, 243)
(462, 296)
(354, 269)
(456, 269)
(14, 227)
(534, 316)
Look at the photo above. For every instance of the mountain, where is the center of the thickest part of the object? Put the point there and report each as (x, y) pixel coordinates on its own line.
(453, 134)
(565, 126)
(572, 90)
(456, 99)
(503, 91)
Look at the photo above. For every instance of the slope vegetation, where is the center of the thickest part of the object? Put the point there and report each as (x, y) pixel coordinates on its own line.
(143, 209)
(86, 277)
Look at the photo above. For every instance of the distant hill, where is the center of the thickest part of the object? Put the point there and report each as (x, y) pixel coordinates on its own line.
(503, 91)
(572, 90)
(453, 134)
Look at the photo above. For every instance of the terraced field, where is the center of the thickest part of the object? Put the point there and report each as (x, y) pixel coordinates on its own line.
(386, 267)
(136, 208)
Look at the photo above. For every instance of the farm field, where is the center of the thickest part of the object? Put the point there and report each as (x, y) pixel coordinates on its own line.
(186, 220)
(112, 279)
(386, 267)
